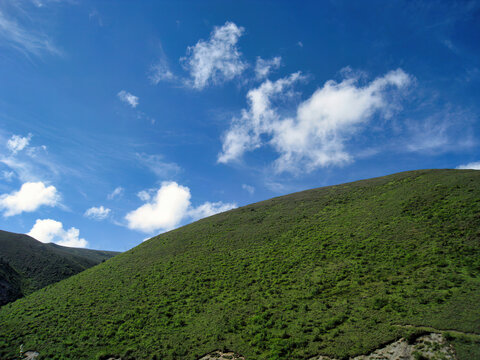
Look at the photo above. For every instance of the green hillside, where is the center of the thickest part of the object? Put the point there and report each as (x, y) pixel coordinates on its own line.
(337, 271)
(27, 265)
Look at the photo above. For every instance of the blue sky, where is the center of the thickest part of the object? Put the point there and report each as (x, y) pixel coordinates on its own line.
(120, 120)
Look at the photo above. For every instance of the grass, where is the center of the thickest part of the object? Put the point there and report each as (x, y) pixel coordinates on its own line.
(329, 271)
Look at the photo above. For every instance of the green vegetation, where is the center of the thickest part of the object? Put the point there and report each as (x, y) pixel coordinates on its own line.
(334, 271)
(27, 265)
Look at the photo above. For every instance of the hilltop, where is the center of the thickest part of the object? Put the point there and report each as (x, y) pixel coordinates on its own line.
(27, 265)
(337, 271)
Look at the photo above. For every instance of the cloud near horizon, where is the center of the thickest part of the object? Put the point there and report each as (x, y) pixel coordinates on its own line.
(316, 136)
(48, 230)
(168, 207)
(470, 166)
(29, 198)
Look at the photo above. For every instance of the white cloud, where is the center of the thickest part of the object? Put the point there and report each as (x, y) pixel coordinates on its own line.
(27, 41)
(97, 213)
(244, 134)
(473, 166)
(29, 198)
(168, 207)
(164, 211)
(217, 59)
(264, 67)
(17, 143)
(118, 191)
(316, 135)
(128, 98)
(209, 209)
(48, 230)
(248, 188)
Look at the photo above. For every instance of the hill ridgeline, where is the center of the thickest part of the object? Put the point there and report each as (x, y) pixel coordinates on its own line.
(337, 271)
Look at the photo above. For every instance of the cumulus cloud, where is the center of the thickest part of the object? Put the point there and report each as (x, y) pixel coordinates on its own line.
(217, 59)
(472, 166)
(316, 135)
(264, 67)
(165, 210)
(168, 207)
(17, 143)
(97, 213)
(29, 198)
(118, 191)
(128, 98)
(245, 132)
(48, 230)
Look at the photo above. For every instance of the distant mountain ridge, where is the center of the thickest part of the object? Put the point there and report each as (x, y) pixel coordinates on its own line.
(27, 264)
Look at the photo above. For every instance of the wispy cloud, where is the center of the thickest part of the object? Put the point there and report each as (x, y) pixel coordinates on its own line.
(427, 136)
(215, 60)
(94, 15)
(161, 72)
(443, 130)
(316, 136)
(25, 38)
(128, 98)
(8, 175)
(264, 67)
(29, 163)
(156, 164)
(117, 192)
(248, 188)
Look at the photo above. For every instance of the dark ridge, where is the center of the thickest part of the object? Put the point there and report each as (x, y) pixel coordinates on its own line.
(27, 265)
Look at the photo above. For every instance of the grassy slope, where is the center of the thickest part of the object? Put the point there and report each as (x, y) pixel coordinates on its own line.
(27, 265)
(327, 271)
